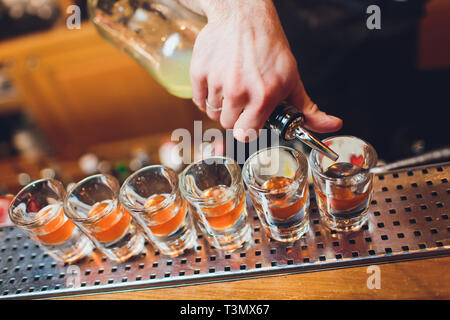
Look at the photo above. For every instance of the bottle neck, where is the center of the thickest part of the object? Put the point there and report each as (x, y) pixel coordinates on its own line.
(287, 121)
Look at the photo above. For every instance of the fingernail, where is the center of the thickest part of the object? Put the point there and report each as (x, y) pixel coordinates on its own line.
(334, 117)
(335, 120)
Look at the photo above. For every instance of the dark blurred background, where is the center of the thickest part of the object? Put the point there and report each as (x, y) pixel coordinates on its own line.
(390, 86)
(71, 104)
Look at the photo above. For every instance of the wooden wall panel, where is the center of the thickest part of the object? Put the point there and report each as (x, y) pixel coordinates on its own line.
(81, 90)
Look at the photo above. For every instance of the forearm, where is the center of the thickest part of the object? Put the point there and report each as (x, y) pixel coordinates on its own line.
(251, 16)
(220, 9)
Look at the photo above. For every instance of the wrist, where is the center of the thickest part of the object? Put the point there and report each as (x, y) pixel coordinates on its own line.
(223, 9)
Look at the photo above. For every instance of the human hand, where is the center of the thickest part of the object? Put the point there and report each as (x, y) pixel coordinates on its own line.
(242, 64)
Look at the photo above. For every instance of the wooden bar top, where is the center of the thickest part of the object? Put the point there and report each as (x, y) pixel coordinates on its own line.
(418, 279)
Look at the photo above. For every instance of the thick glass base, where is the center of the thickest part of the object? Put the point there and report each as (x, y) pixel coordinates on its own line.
(339, 224)
(179, 244)
(238, 237)
(76, 248)
(85, 249)
(287, 234)
(129, 246)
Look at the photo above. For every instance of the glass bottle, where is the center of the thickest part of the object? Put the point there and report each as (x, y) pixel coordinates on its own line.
(159, 34)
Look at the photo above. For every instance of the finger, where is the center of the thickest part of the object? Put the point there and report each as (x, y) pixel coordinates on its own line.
(231, 110)
(199, 92)
(315, 119)
(215, 101)
(318, 121)
(250, 121)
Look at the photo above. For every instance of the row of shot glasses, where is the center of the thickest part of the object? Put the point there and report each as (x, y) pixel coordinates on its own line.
(167, 209)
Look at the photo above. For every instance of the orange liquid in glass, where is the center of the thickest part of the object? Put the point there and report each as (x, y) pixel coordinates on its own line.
(111, 227)
(283, 208)
(166, 220)
(58, 230)
(342, 198)
(223, 215)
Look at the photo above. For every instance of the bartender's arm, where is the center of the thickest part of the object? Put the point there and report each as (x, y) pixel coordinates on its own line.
(242, 64)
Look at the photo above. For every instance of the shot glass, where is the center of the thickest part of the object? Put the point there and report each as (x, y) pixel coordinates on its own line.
(343, 194)
(153, 197)
(38, 210)
(215, 193)
(277, 182)
(93, 204)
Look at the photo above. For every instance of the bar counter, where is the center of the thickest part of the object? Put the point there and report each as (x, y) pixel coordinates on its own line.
(420, 279)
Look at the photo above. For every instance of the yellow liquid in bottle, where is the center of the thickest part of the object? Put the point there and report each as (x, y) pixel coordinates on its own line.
(160, 39)
(173, 74)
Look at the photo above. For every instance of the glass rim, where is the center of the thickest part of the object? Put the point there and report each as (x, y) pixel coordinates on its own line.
(103, 213)
(300, 157)
(42, 219)
(162, 205)
(236, 181)
(315, 167)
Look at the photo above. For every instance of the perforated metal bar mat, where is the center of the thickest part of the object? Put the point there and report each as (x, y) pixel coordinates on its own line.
(408, 219)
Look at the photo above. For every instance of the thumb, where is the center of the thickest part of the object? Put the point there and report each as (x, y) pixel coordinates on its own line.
(315, 119)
